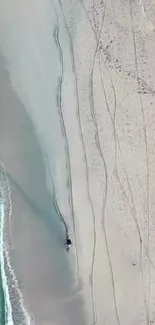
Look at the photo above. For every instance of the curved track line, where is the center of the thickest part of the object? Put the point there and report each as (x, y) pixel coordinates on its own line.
(54, 196)
(65, 133)
(62, 218)
(115, 136)
(98, 145)
(146, 150)
(133, 212)
(133, 209)
(86, 164)
(103, 159)
(101, 55)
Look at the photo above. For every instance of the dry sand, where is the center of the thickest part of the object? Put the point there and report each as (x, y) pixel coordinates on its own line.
(99, 56)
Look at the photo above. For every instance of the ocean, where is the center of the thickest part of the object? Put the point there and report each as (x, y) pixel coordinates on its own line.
(12, 309)
(2, 303)
(47, 275)
(6, 313)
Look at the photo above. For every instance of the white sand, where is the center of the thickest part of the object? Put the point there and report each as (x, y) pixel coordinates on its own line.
(108, 110)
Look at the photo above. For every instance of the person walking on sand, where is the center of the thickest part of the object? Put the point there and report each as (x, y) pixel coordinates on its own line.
(68, 243)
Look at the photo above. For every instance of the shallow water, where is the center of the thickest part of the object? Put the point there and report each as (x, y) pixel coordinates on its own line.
(2, 306)
(35, 232)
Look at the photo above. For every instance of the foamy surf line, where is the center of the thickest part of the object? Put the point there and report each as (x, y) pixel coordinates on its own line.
(15, 314)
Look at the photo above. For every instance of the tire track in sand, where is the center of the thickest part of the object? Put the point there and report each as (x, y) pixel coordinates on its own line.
(116, 138)
(63, 127)
(98, 145)
(147, 304)
(94, 321)
(132, 209)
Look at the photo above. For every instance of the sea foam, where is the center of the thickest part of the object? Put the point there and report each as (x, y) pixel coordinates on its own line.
(11, 282)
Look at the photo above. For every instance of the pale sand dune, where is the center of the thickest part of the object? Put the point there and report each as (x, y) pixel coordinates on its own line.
(107, 101)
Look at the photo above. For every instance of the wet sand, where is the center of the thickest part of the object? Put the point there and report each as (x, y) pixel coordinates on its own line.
(96, 64)
(36, 232)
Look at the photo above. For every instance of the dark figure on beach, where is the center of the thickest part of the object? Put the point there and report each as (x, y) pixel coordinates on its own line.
(68, 243)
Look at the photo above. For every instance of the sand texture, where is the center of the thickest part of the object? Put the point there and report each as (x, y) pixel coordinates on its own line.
(77, 127)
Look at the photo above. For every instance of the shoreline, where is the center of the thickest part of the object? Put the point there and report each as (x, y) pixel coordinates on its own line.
(45, 271)
(9, 280)
(94, 67)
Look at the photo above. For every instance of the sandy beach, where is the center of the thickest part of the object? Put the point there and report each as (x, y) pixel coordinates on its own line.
(77, 125)
(36, 232)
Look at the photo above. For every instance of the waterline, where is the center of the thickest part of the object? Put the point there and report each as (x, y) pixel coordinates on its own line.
(8, 308)
(9, 276)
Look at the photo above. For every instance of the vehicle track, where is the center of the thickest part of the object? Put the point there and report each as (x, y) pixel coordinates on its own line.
(63, 127)
(94, 321)
(147, 304)
(98, 145)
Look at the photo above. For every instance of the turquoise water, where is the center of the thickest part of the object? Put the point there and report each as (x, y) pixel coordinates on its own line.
(2, 295)
(12, 310)
(2, 304)
(34, 221)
